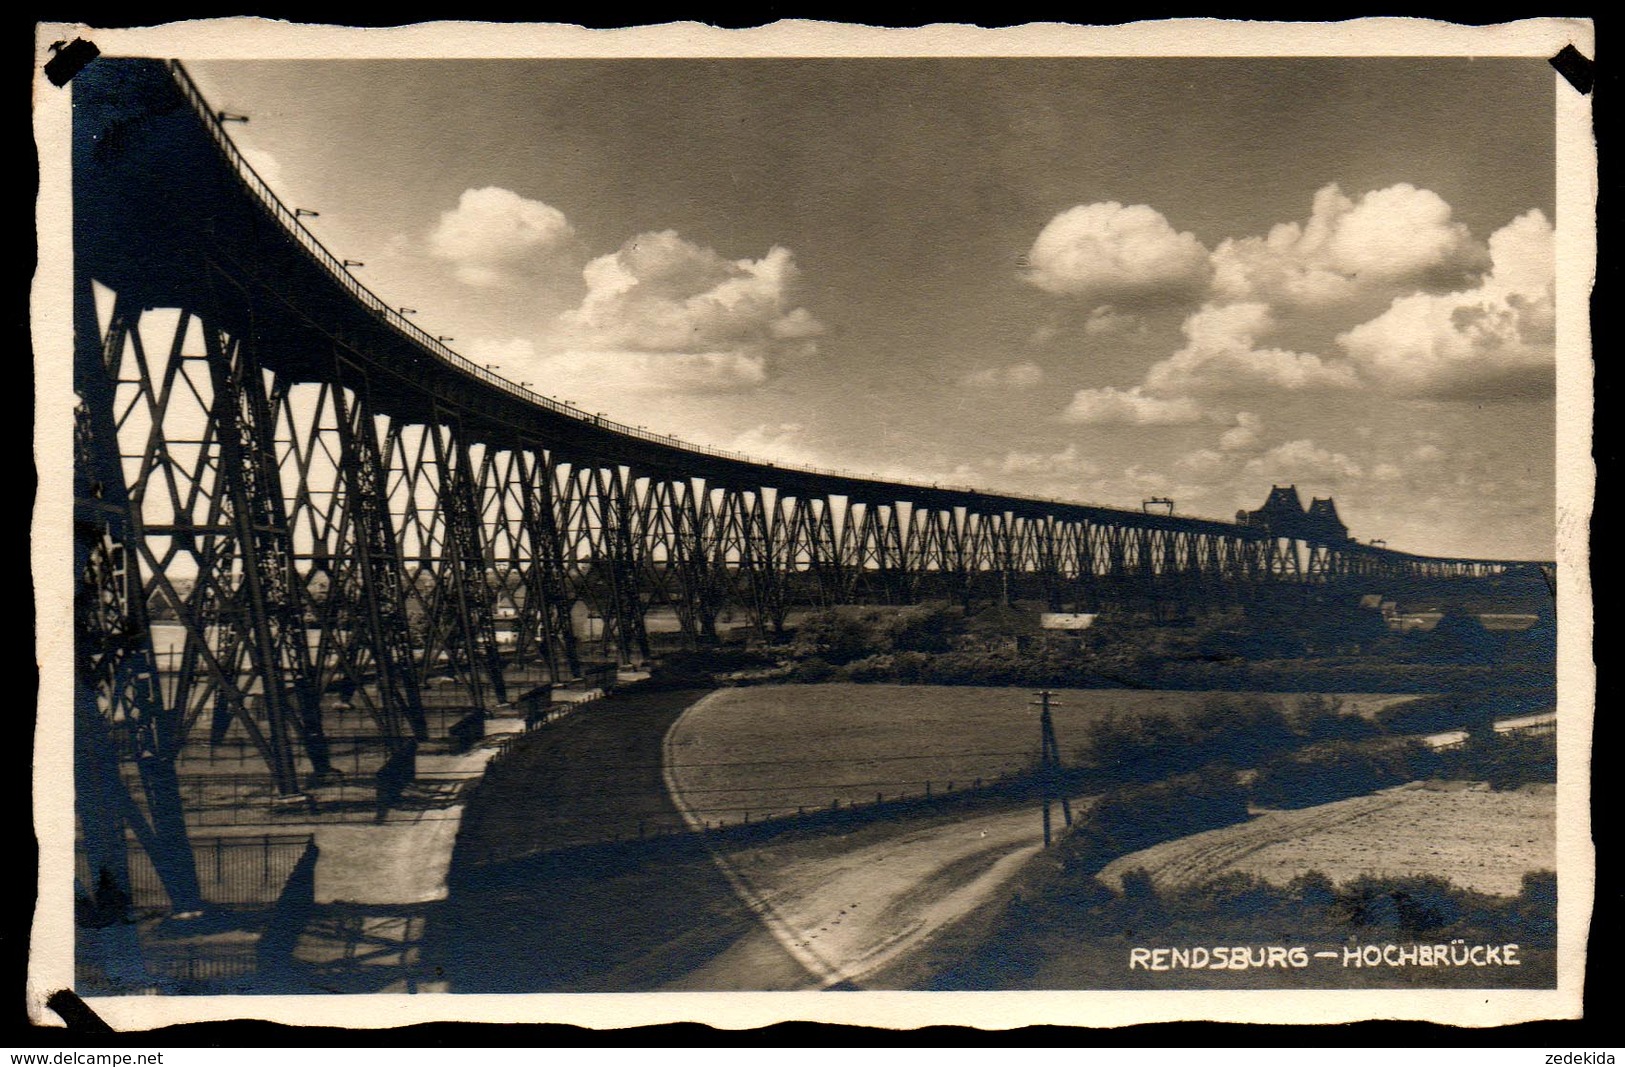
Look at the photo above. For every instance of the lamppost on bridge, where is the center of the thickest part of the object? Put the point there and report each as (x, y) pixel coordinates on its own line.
(443, 338)
(305, 212)
(226, 116)
(347, 264)
(407, 311)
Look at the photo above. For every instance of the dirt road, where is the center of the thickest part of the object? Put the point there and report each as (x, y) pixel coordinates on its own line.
(553, 889)
(846, 905)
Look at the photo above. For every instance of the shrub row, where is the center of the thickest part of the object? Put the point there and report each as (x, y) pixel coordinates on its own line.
(1237, 730)
(1334, 770)
(1412, 904)
(1465, 709)
(1322, 773)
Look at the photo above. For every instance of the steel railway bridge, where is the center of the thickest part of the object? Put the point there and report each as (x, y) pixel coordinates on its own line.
(312, 496)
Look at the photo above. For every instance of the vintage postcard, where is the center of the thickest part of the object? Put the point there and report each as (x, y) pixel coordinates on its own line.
(1042, 525)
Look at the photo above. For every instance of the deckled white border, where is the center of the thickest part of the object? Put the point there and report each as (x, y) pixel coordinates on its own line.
(50, 963)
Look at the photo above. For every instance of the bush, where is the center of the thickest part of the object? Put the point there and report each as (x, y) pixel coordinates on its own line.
(870, 669)
(836, 637)
(682, 675)
(911, 668)
(1322, 718)
(1334, 770)
(1137, 748)
(1504, 760)
(1536, 908)
(1417, 905)
(1463, 709)
(1242, 730)
(1458, 638)
(813, 670)
(1129, 819)
(1312, 890)
(928, 628)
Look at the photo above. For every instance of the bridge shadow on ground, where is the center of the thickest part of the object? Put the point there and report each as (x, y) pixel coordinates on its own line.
(569, 874)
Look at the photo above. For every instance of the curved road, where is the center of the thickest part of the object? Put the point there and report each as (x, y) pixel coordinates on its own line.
(542, 896)
(845, 905)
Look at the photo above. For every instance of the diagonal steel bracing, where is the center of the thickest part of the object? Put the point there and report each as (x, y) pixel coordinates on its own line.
(291, 503)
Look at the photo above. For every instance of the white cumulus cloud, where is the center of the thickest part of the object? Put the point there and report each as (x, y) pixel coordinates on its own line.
(1303, 461)
(1204, 462)
(1222, 356)
(599, 375)
(594, 378)
(495, 236)
(1388, 241)
(1107, 321)
(1022, 375)
(1496, 339)
(1107, 253)
(1133, 406)
(1244, 434)
(661, 293)
(1068, 461)
(783, 442)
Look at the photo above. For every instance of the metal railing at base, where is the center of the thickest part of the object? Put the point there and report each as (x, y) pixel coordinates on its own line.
(233, 871)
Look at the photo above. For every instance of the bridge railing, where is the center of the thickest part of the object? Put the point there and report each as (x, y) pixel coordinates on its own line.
(290, 221)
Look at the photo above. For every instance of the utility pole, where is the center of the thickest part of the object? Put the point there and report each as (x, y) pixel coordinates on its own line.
(1049, 762)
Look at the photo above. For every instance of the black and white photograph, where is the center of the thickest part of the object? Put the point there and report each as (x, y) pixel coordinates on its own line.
(1082, 513)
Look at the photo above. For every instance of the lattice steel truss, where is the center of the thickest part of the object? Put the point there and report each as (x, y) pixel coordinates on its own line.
(286, 497)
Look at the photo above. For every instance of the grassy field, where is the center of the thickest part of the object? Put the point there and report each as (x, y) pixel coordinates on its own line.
(769, 750)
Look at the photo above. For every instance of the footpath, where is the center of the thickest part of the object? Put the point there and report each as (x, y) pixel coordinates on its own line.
(353, 913)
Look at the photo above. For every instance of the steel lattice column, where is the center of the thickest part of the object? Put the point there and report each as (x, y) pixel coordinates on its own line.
(265, 608)
(115, 676)
(547, 601)
(473, 606)
(379, 590)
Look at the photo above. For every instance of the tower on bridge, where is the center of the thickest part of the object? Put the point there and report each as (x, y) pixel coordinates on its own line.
(1284, 515)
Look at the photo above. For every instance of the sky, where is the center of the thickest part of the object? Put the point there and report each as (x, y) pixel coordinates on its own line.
(1094, 279)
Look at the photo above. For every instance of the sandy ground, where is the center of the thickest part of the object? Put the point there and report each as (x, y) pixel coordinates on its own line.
(1476, 838)
(846, 906)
